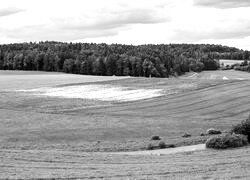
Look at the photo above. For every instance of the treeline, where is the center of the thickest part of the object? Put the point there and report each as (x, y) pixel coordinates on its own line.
(116, 59)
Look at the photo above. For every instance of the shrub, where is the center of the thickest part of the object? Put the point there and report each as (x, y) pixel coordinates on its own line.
(213, 131)
(162, 145)
(155, 138)
(242, 128)
(226, 141)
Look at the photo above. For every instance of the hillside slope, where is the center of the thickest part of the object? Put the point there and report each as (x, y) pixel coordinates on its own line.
(196, 104)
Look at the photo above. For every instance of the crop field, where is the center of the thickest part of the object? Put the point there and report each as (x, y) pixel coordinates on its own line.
(56, 125)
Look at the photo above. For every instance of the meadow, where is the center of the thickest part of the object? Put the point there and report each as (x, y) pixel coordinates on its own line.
(61, 137)
(230, 61)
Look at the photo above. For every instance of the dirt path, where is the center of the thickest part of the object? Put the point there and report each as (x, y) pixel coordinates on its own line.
(164, 151)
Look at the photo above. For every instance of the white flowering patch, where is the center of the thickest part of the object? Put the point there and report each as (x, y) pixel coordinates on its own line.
(98, 92)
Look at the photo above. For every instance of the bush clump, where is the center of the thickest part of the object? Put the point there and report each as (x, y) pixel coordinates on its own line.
(227, 141)
(213, 131)
(243, 128)
(155, 138)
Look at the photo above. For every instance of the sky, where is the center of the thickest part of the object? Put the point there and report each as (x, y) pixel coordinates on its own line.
(225, 22)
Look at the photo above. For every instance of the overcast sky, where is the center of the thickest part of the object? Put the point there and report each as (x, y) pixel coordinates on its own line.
(224, 22)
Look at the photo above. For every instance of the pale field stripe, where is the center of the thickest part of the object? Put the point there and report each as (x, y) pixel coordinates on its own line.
(97, 92)
(159, 152)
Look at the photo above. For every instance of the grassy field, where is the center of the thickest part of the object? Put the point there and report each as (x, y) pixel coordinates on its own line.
(208, 164)
(51, 136)
(230, 62)
(11, 80)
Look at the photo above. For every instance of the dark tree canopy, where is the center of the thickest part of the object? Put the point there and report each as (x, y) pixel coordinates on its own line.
(116, 59)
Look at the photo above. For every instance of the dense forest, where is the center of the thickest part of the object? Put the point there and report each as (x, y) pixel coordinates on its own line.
(116, 59)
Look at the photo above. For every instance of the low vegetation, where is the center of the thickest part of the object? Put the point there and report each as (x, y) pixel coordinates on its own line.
(213, 131)
(243, 128)
(238, 136)
(155, 138)
(226, 141)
